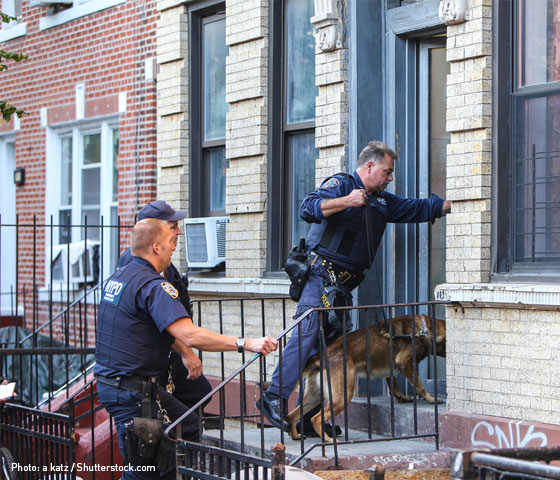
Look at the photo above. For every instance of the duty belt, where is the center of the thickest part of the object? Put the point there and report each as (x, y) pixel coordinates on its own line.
(128, 382)
(344, 277)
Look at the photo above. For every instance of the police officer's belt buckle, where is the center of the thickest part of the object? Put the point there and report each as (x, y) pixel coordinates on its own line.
(344, 276)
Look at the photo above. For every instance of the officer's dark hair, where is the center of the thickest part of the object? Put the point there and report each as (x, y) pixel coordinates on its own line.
(145, 233)
(375, 151)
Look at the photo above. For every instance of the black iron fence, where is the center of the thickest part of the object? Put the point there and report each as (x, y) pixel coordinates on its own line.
(404, 333)
(48, 348)
(507, 464)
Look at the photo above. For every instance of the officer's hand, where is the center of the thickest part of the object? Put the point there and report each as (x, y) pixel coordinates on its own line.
(356, 198)
(446, 208)
(263, 345)
(193, 364)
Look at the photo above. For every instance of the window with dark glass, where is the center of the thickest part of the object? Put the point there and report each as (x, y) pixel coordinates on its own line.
(208, 117)
(529, 155)
(292, 150)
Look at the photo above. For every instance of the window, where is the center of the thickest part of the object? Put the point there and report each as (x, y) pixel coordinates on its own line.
(82, 183)
(292, 137)
(13, 9)
(208, 119)
(530, 154)
(15, 28)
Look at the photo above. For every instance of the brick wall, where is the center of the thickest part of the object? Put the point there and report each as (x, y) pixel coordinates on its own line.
(107, 52)
(501, 350)
(246, 136)
(469, 153)
(502, 362)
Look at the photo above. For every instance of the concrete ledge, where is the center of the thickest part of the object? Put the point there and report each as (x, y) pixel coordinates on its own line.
(252, 286)
(502, 295)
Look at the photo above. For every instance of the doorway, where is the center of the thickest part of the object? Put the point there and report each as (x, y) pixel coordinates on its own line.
(416, 252)
(7, 230)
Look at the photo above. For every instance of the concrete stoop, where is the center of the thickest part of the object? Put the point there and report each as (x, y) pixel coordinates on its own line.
(357, 452)
(380, 408)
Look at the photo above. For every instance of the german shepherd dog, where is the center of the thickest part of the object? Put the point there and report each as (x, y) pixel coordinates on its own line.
(356, 362)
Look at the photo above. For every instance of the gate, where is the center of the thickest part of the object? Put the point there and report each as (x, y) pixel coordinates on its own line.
(42, 443)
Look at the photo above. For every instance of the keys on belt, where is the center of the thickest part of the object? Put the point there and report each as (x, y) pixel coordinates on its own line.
(343, 277)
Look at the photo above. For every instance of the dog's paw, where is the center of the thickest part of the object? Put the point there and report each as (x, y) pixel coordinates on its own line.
(432, 400)
(404, 399)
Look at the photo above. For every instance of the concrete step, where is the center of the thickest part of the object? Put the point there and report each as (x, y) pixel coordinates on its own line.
(356, 452)
(404, 421)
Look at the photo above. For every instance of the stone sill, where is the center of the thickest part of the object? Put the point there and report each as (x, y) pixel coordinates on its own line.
(545, 296)
(76, 12)
(9, 33)
(239, 286)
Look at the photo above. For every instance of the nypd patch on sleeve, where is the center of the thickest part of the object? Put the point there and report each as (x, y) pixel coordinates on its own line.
(170, 289)
(331, 183)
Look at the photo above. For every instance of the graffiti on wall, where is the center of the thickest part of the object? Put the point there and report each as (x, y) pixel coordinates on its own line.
(515, 435)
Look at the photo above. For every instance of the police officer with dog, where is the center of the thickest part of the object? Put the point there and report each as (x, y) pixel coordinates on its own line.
(184, 377)
(348, 215)
(139, 318)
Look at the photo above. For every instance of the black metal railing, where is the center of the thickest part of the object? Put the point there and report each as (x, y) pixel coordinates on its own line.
(245, 440)
(507, 464)
(49, 293)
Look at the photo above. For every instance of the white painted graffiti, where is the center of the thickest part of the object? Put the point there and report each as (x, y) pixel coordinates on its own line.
(485, 434)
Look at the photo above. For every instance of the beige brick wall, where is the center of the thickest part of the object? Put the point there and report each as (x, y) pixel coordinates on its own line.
(246, 136)
(172, 106)
(331, 112)
(469, 153)
(274, 311)
(504, 362)
(502, 353)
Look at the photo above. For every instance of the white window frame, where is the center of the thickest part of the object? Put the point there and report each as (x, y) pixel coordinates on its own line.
(79, 8)
(14, 29)
(54, 175)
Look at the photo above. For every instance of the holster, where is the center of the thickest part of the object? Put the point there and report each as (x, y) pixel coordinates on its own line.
(297, 267)
(145, 442)
(143, 437)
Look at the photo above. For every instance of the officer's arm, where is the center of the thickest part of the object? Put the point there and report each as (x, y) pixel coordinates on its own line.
(356, 198)
(190, 359)
(193, 336)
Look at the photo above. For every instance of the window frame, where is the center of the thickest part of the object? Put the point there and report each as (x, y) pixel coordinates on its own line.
(15, 28)
(504, 268)
(198, 15)
(53, 205)
(279, 131)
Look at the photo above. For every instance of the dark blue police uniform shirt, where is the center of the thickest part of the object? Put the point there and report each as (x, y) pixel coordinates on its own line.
(136, 307)
(342, 237)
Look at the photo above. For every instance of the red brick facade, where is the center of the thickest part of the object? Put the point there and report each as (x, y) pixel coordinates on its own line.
(107, 51)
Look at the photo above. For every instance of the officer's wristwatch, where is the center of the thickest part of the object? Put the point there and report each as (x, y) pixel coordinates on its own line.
(240, 342)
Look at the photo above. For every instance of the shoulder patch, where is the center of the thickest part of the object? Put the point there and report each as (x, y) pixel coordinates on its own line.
(170, 289)
(331, 183)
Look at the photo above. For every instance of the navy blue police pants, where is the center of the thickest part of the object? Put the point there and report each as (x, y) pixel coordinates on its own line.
(123, 405)
(309, 335)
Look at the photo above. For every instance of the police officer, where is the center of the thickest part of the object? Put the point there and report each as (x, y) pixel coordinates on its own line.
(342, 248)
(184, 375)
(139, 319)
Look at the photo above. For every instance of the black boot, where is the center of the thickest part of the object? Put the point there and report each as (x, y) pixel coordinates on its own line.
(309, 431)
(271, 404)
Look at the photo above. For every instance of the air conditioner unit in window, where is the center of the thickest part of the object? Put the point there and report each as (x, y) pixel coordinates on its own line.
(75, 263)
(206, 241)
(48, 3)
